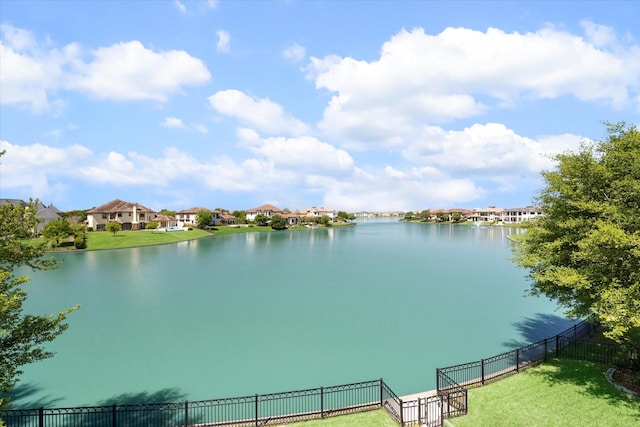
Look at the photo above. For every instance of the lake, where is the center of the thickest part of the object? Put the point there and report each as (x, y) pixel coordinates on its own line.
(241, 314)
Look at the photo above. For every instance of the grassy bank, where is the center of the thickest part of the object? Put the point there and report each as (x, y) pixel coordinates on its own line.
(377, 418)
(559, 393)
(98, 240)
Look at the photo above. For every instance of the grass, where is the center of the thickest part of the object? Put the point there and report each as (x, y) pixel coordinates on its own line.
(559, 393)
(377, 418)
(97, 240)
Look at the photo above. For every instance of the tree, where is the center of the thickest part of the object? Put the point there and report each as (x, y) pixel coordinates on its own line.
(204, 218)
(261, 219)
(241, 216)
(456, 217)
(441, 217)
(278, 222)
(152, 225)
(114, 227)
(21, 335)
(167, 212)
(57, 230)
(408, 215)
(585, 251)
(425, 215)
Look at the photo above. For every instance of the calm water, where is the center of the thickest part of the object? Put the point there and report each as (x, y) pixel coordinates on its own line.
(266, 312)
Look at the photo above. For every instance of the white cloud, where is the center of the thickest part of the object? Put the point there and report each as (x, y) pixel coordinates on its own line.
(31, 72)
(38, 167)
(490, 149)
(129, 71)
(295, 52)
(176, 123)
(263, 114)
(212, 4)
(421, 79)
(172, 122)
(224, 41)
(181, 7)
(304, 155)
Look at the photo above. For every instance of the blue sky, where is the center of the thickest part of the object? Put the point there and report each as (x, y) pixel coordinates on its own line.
(350, 105)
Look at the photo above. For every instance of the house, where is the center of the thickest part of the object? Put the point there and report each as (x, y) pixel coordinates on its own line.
(131, 216)
(227, 219)
(165, 221)
(291, 218)
(266, 210)
(188, 216)
(45, 213)
(517, 215)
(320, 212)
(488, 214)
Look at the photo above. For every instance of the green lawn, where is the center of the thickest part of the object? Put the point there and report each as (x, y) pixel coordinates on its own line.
(559, 393)
(377, 418)
(125, 239)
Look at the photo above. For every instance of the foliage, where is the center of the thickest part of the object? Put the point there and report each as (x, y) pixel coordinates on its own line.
(278, 222)
(75, 215)
(113, 227)
(167, 212)
(261, 219)
(204, 218)
(323, 220)
(346, 216)
(441, 217)
(241, 216)
(80, 241)
(425, 215)
(21, 335)
(152, 225)
(456, 217)
(408, 215)
(585, 251)
(57, 230)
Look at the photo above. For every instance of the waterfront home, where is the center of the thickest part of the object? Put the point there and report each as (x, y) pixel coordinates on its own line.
(266, 210)
(44, 213)
(131, 216)
(518, 215)
(188, 216)
(320, 212)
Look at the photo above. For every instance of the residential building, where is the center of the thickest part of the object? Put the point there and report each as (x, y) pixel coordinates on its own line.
(45, 213)
(188, 216)
(517, 215)
(266, 210)
(320, 212)
(131, 216)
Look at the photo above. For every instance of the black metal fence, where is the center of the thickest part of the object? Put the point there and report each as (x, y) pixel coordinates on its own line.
(483, 371)
(257, 410)
(279, 408)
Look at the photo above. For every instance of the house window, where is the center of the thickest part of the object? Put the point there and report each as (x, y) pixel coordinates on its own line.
(119, 214)
(104, 216)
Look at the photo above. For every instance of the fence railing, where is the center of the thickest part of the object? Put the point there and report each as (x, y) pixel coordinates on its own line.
(257, 410)
(483, 371)
(278, 408)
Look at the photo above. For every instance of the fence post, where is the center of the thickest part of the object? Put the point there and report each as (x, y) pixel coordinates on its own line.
(321, 402)
(574, 332)
(186, 413)
(438, 379)
(401, 413)
(41, 417)
(114, 421)
(557, 345)
(517, 360)
(381, 391)
(545, 350)
(482, 369)
(256, 410)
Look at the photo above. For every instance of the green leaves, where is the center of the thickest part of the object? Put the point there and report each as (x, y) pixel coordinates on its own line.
(585, 252)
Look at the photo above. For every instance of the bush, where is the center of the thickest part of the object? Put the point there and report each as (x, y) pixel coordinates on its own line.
(80, 242)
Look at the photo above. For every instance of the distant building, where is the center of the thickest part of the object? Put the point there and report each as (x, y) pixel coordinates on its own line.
(131, 216)
(45, 213)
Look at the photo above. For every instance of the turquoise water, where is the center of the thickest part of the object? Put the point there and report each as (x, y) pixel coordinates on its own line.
(251, 313)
